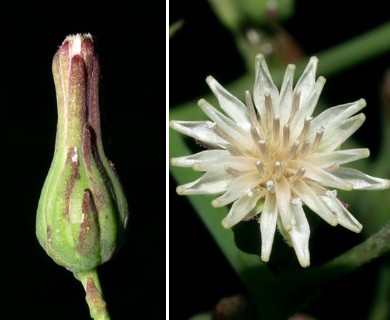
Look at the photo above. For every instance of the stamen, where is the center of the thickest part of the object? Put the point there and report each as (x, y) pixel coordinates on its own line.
(296, 201)
(305, 148)
(270, 186)
(317, 138)
(259, 166)
(293, 150)
(233, 172)
(269, 108)
(250, 105)
(331, 193)
(298, 174)
(223, 134)
(332, 167)
(276, 129)
(264, 149)
(256, 128)
(305, 129)
(286, 135)
(249, 193)
(295, 106)
(255, 134)
(278, 169)
(234, 151)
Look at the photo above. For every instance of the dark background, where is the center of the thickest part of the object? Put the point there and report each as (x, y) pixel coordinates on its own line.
(203, 47)
(130, 40)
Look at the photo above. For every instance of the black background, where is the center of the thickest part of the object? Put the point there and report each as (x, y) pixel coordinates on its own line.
(130, 40)
(203, 47)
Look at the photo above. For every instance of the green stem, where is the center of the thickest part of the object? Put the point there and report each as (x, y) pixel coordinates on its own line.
(380, 309)
(372, 248)
(93, 294)
(355, 51)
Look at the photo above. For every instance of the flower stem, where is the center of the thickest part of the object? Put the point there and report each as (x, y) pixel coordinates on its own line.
(94, 294)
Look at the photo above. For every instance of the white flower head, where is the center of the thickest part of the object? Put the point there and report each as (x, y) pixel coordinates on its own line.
(271, 151)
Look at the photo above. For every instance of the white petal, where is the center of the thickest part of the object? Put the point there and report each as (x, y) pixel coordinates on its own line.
(240, 209)
(344, 217)
(239, 163)
(326, 159)
(300, 234)
(306, 81)
(267, 222)
(335, 115)
(286, 94)
(307, 107)
(360, 180)
(230, 104)
(320, 176)
(283, 199)
(208, 183)
(226, 124)
(337, 133)
(239, 187)
(208, 155)
(264, 85)
(309, 197)
(200, 130)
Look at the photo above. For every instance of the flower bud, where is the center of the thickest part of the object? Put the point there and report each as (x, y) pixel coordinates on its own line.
(82, 211)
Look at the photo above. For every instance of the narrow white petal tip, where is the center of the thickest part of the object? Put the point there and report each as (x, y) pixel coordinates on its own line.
(313, 59)
(264, 258)
(321, 80)
(287, 227)
(172, 124)
(348, 186)
(357, 228)
(304, 262)
(362, 102)
(226, 223)
(334, 222)
(291, 67)
(215, 203)
(260, 57)
(180, 190)
(174, 161)
(201, 102)
(210, 80)
(196, 167)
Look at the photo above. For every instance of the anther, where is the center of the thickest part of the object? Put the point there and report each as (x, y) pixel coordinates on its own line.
(234, 151)
(269, 108)
(298, 174)
(233, 172)
(305, 148)
(318, 138)
(259, 166)
(295, 105)
(305, 129)
(264, 149)
(278, 169)
(286, 135)
(276, 129)
(293, 150)
(270, 186)
(297, 201)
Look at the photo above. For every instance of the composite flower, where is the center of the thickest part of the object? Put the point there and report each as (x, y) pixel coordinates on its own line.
(269, 157)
